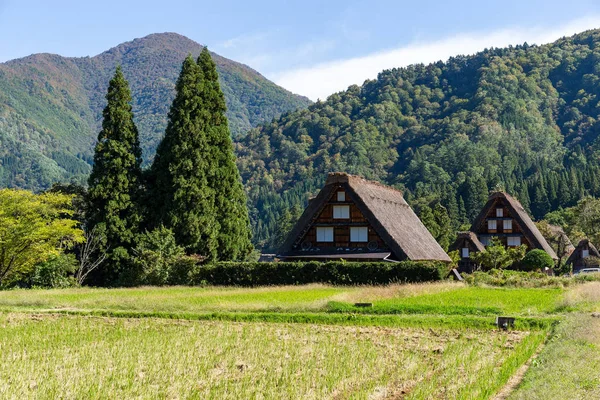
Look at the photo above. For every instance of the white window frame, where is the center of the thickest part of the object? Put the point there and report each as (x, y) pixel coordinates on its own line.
(341, 196)
(513, 241)
(341, 212)
(325, 234)
(465, 252)
(507, 224)
(500, 212)
(585, 253)
(359, 234)
(492, 225)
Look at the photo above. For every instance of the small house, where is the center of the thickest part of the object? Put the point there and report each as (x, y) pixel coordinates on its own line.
(355, 219)
(504, 218)
(585, 255)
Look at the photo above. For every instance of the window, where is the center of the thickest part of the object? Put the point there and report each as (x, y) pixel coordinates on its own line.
(585, 253)
(485, 240)
(341, 212)
(325, 234)
(465, 252)
(507, 225)
(359, 234)
(513, 241)
(499, 212)
(492, 225)
(341, 196)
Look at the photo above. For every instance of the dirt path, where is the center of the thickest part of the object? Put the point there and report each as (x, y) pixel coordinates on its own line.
(517, 377)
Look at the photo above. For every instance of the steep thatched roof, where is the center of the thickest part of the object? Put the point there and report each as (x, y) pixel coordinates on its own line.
(523, 219)
(559, 235)
(576, 256)
(384, 208)
(471, 237)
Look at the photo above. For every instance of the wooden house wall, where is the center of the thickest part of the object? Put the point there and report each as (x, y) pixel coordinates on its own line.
(500, 233)
(341, 227)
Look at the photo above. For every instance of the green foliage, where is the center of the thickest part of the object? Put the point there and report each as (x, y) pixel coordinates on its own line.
(56, 272)
(335, 273)
(525, 279)
(179, 184)
(536, 259)
(520, 118)
(33, 228)
(497, 256)
(51, 106)
(155, 256)
(115, 182)
(231, 211)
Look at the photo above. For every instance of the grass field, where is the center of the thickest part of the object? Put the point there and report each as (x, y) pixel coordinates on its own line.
(417, 341)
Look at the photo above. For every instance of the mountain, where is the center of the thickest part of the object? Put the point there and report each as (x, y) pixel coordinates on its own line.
(525, 119)
(51, 106)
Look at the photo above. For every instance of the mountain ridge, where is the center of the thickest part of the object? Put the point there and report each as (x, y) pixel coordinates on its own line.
(50, 106)
(525, 119)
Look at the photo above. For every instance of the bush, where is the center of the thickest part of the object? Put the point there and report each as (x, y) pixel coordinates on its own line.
(297, 273)
(156, 254)
(536, 260)
(509, 278)
(57, 272)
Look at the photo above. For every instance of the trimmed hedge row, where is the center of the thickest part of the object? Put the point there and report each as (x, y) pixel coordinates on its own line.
(296, 273)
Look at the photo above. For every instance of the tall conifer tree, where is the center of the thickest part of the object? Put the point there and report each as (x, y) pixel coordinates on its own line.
(181, 195)
(115, 181)
(234, 238)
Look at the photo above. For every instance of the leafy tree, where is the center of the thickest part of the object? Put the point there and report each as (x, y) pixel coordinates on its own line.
(537, 259)
(115, 181)
(33, 229)
(234, 237)
(496, 256)
(182, 198)
(285, 224)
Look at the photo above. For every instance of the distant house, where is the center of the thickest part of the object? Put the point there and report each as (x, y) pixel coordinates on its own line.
(502, 217)
(355, 219)
(585, 256)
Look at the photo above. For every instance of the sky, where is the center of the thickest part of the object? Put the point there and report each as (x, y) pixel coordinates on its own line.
(313, 48)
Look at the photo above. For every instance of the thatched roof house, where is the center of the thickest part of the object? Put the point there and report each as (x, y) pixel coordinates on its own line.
(355, 219)
(505, 218)
(585, 255)
(466, 243)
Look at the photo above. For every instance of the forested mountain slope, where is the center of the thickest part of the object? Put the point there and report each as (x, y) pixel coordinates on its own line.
(524, 119)
(50, 106)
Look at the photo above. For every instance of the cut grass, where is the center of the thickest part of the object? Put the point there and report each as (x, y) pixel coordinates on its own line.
(50, 356)
(569, 365)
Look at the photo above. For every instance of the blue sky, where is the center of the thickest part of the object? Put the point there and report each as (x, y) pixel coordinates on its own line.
(310, 47)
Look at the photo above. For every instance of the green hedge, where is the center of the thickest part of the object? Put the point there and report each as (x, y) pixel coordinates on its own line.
(296, 273)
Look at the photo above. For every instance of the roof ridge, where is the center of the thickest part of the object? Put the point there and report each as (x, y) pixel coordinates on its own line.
(343, 177)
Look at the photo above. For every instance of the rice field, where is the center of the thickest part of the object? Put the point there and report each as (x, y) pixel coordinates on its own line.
(47, 357)
(417, 341)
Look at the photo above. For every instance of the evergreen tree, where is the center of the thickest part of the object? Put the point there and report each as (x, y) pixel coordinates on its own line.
(115, 181)
(234, 238)
(179, 180)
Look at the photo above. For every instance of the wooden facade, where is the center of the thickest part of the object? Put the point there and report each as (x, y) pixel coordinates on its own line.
(504, 218)
(585, 255)
(355, 219)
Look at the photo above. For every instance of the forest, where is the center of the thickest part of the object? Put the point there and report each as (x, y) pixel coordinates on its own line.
(523, 119)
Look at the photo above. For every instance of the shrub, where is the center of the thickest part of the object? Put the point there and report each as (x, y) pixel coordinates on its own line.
(155, 256)
(335, 273)
(536, 260)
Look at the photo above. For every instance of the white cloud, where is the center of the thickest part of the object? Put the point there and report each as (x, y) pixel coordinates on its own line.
(324, 79)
